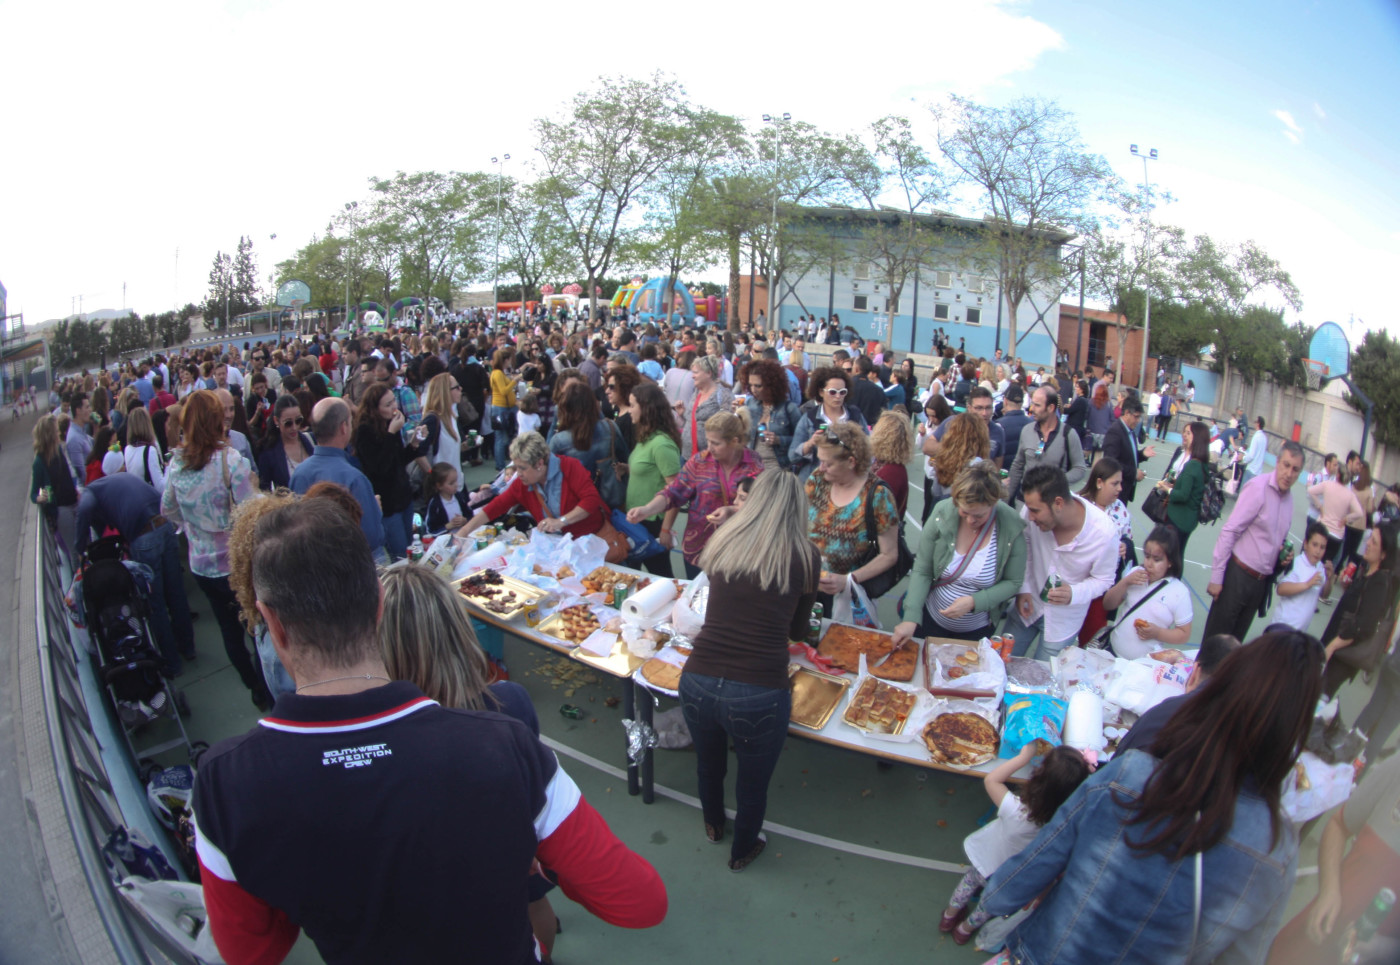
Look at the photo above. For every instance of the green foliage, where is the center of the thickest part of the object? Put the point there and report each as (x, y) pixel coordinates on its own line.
(74, 341)
(429, 232)
(1374, 364)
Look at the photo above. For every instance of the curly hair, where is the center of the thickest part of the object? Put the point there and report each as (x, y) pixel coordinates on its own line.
(820, 376)
(772, 375)
(892, 439)
(241, 542)
(854, 443)
(967, 436)
(627, 378)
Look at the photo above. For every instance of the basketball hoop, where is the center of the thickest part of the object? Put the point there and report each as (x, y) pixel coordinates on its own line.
(1316, 371)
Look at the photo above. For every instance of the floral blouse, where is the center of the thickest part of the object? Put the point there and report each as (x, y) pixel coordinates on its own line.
(197, 501)
(1122, 518)
(839, 531)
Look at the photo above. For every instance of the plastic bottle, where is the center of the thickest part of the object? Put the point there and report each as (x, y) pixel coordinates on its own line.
(1367, 926)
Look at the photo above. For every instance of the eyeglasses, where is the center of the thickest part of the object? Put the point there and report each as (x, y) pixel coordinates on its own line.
(836, 392)
(456, 388)
(295, 422)
(833, 438)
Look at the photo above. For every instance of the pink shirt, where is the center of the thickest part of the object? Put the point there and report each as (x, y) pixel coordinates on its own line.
(1337, 506)
(1256, 529)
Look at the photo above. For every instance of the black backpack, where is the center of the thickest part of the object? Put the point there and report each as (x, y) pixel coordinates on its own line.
(1213, 500)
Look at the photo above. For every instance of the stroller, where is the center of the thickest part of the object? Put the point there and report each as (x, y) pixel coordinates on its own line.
(128, 661)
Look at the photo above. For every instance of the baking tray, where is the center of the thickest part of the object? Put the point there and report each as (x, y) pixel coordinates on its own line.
(815, 696)
(620, 663)
(553, 625)
(899, 725)
(871, 660)
(526, 592)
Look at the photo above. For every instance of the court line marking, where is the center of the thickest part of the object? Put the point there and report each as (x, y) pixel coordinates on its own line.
(821, 840)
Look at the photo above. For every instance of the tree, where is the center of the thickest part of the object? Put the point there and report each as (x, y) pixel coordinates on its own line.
(322, 264)
(1038, 181)
(1373, 366)
(601, 157)
(537, 244)
(900, 241)
(246, 295)
(219, 303)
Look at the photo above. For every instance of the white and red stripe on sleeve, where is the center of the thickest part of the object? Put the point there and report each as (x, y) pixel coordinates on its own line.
(246, 929)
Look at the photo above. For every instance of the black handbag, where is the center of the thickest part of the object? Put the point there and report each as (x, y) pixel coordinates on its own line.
(880, 584)
(1154, 507)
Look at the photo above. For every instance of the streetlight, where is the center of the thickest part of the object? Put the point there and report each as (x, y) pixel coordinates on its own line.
(350, 207)
(777, 123)
(1151, 155)
(496, 264)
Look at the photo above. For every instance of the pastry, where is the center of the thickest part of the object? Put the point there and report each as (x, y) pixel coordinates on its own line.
(661, 673)
(961, 739)
(877, 706)
(844, 645)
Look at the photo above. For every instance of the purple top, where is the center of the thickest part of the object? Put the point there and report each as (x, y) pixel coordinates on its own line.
(1255, 531)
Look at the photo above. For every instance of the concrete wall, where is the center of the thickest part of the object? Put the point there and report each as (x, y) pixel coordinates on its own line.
(1207, 384)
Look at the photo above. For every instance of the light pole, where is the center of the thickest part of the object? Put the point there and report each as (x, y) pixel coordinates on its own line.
(350, 207)
(777, 121)
(496, 264)
(1151, 155)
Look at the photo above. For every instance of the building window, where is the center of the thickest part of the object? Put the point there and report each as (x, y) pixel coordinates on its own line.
(976, 284)
(942, 279)
(940, 311)
(862, 271)
(861, 303)
(974, 316)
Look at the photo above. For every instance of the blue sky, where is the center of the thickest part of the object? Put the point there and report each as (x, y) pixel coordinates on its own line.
(142, 137)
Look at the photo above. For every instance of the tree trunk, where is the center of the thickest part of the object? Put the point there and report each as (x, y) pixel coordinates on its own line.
(735, 262)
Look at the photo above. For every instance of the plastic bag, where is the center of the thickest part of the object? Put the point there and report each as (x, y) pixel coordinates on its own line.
(852, 607)
(1031, 717)
(688, 613)
(1324, 787)
(1074, 667)
(989, 678)
(176, 908)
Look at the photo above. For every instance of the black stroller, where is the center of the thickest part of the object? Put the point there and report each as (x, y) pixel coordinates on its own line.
(128, 661)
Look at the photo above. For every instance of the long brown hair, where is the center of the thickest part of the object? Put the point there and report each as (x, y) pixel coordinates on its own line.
(1246, 725)
(202, 424)
(967, 436)
(578, 414)
(46, 442)
(368, 413)
(654, 413)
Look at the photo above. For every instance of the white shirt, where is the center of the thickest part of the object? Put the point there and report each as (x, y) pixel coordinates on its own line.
(235, 377)
(1254, 456)
(1007, 834)
(1297, 611)
(1169, 607)
(1087, 564)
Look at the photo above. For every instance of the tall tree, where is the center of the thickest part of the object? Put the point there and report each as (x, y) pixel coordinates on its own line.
(247, 295)
(601, 156)
(218, 304)
(1028, 163)
(536, 246)
(1373, 366)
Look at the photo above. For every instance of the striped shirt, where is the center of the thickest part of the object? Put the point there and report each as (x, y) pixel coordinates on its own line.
(981, 572)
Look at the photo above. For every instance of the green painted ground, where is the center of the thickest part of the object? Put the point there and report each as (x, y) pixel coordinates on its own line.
(801, 901)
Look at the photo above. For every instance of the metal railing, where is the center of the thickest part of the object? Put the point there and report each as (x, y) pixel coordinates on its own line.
(84, 787)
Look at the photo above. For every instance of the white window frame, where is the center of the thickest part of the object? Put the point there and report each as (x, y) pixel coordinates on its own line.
(861, 271)
(970, 310)
(942, 279)
(976, 284)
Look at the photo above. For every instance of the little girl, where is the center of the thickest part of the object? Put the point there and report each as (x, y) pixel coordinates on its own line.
(445, 510)
(1018, 821)
(528, 418)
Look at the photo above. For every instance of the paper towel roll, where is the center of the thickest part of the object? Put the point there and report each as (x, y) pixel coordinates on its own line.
(652, 605)
(1084, 721)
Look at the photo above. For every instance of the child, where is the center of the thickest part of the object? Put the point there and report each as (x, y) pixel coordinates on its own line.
(1018, 821)
(528, 418)
(445, 510)
(1300, 588)
(741, 493)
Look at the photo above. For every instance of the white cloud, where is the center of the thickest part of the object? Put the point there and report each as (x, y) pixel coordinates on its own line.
(1288, 121)
(1292, 137)
(1317, 109)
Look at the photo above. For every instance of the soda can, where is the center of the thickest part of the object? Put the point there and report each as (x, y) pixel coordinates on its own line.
(1008, 643)
(532, 615)
(571, 712)
(619, 595)
(1045, 590)
(814, 631)
(482, 543)
(1348, 573)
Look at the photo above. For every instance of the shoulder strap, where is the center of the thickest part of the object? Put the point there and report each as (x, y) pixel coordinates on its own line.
(971, 551)
(1147, 596)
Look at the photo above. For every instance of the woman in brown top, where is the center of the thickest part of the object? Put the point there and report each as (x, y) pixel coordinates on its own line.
(763, 575)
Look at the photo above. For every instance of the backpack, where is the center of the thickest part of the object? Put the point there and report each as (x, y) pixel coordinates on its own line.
(1213, 500)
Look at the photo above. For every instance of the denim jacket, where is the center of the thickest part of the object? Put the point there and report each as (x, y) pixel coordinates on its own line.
(1117, 905)
(782, 421)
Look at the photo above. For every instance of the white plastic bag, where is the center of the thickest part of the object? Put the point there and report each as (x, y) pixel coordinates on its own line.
(990, 676)
(176, 910)
(688, 613)
(852, 607)
(1328, 786)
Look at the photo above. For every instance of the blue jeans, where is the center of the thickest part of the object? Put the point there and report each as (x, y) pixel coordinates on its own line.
(1025, 635)
(170, 608)
(756, 720)
(398, 532)
(500, 438)
(279, 682)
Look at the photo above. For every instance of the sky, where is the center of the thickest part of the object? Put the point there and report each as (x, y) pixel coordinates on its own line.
(142, 138)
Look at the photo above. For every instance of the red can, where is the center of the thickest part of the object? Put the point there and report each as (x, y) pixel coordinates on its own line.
(1348, 573)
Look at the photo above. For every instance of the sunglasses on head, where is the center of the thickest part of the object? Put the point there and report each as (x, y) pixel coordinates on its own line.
(832, 437)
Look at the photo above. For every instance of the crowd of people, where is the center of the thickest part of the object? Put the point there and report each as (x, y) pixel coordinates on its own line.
(297, 470)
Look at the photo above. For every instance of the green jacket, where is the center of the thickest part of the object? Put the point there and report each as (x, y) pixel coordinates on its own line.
(1184, 503)
(936, 552)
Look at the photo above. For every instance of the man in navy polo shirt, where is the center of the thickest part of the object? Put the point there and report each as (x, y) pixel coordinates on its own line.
(390, 828)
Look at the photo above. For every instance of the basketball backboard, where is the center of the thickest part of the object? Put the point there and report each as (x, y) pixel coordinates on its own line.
(1330, 345)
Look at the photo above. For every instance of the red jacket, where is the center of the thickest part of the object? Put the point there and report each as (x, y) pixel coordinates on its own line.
(578, 490)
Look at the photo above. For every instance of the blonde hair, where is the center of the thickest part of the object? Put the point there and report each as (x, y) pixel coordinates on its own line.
(139, 427)
(761, 541)
(978, 485)
(439, 402)
(726, 426)
(426, 638)
(967, 436)
(46, 441)
(892, 439)
(857, 444)
(242, 541)
(796, 358)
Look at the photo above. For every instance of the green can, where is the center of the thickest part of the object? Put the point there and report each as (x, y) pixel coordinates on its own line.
(571, 712)
(619, 595)
(482, 542)
(1051, 581)
(814, 632)
(1286, 552)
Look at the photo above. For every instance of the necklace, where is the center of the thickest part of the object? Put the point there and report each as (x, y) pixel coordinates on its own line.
(353, 676)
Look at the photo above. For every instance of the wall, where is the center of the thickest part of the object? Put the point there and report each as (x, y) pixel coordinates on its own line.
(1207, 384)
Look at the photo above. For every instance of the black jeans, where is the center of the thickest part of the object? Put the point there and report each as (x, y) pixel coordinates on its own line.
(1235, 608)
(225, 606)
(660, 564)
(756, 719)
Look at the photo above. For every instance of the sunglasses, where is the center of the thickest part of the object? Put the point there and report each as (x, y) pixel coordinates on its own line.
(836, 392)
(293, 422)
(832, 437)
